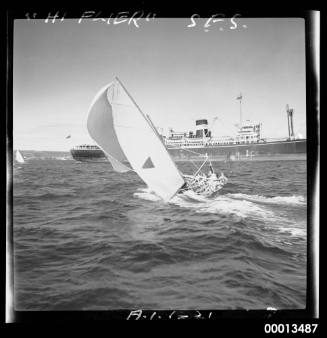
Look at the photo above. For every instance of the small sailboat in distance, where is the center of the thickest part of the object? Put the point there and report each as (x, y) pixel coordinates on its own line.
(126, 134)
(19, 157)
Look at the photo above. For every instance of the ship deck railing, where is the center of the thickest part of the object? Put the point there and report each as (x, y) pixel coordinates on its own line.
(231, 143)
(86, 147)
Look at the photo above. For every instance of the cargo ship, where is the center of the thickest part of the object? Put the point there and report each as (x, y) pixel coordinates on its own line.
(248, 143)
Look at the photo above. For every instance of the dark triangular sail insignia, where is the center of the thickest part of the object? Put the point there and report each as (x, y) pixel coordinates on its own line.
(148, 164)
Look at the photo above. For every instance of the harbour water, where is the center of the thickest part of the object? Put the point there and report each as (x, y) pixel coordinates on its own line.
(88, 238)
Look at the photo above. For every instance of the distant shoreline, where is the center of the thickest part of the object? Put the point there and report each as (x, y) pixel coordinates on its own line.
(42, 151)
(243, 158)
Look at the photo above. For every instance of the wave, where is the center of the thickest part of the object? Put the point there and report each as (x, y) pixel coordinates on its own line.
(295, 232)
(148, 195)
(44, 158)
(221, 204)
(62, 158)
(237, 204)
(46, 193)
(292, 200)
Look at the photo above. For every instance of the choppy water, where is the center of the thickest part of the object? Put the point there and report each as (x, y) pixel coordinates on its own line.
(88, 238)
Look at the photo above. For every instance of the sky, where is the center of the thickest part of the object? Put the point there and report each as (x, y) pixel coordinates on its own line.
(175, 73)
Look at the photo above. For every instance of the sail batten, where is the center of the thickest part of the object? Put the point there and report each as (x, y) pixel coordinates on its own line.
(128, 134)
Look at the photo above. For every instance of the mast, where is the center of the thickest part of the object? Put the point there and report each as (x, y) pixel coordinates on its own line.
(154, 128)
(240, 99)
(289, 112)
(150, 123)
(241, 120)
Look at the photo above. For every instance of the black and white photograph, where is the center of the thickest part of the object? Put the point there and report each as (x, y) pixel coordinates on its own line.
(159, 163)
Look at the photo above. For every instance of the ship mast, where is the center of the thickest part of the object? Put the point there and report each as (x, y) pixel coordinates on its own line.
(290, 122)
(240, 99)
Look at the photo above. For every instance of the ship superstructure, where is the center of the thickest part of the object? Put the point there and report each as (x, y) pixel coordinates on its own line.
(202, 137)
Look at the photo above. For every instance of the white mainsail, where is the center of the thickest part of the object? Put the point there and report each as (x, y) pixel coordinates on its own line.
(120, 128)
(19, 157)
(101, 129)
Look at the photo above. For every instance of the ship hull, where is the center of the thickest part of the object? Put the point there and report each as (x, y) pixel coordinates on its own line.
(282, 149)
(88, 155)
(243, 151)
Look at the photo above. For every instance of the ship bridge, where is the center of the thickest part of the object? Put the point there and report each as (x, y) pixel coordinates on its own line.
(249, 133)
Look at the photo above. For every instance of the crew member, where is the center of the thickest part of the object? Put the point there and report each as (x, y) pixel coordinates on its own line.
(222, 178)
(211, 172)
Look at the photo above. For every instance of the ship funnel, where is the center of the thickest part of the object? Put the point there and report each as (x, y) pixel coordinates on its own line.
(289, 112)
(202, 128)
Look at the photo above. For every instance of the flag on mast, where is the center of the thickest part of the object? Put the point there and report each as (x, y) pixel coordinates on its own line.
(239, 97)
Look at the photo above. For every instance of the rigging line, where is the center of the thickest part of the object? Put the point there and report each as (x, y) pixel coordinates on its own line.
(131, 127)
(190, 159)
(227, 126)
(146, 119)
(194, 165)
(201, 166)
(122, 104)
(194, 152)
(192, 162)
(224, 124)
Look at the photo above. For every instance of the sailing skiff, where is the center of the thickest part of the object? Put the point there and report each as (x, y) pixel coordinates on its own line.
(127, 135)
